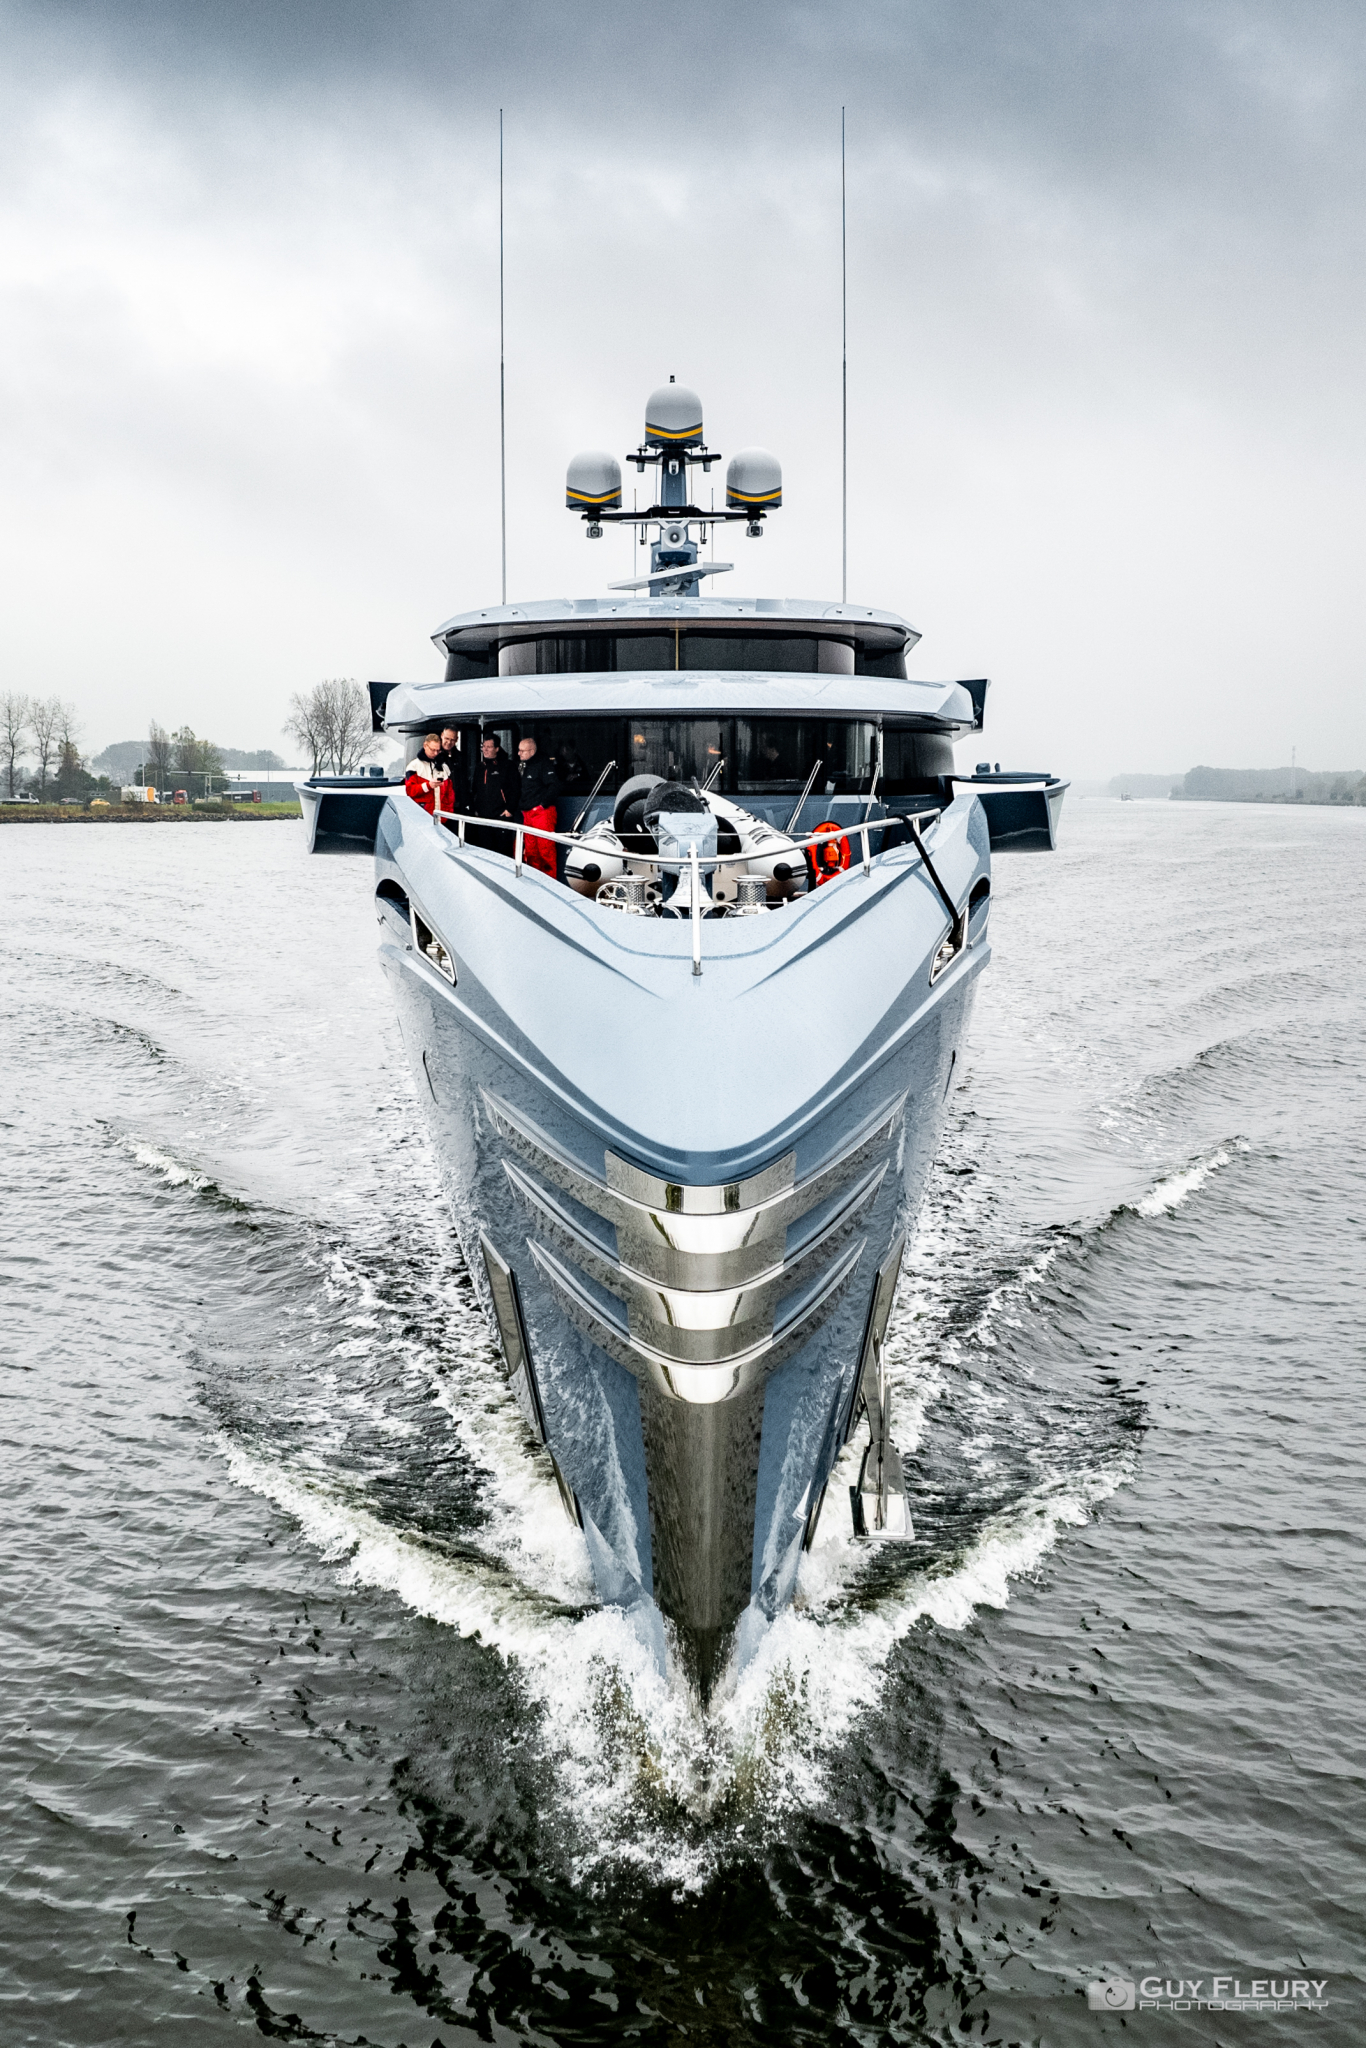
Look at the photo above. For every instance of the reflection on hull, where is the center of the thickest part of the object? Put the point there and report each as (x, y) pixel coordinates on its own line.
(704, 1472)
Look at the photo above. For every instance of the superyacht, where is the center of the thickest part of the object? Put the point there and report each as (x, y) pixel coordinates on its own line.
(686, 1075)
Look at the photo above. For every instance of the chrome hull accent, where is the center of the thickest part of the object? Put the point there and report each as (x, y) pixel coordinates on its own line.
(701, 1270)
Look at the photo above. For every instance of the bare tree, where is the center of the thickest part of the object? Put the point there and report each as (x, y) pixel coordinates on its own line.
(160, 754)
(305, 724)
(47, 716)
(14, 723)
(331, 722)
(351, 738)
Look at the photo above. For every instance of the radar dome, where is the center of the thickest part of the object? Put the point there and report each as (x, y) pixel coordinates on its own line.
(673, 416)
(593, 483)
(754, 481)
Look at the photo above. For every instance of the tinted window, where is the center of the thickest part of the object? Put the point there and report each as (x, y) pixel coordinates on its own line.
(561, 654)
(579, 749)
(676, 749)
(766, 653)
(912, 760)
(879, 661)
(645, 650)
(759, 754)
(780, 753)
(564, 654)
(466, 663)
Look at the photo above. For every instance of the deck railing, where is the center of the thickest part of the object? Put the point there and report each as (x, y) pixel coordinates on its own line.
(458, 822)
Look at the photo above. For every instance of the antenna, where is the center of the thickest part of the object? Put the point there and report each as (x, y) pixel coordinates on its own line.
(844, 382)
(502, 374)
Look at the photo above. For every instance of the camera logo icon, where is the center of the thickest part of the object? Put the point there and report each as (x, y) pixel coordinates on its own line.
(1110, 1994)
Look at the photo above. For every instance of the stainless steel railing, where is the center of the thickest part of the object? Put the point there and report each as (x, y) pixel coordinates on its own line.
(457, 822)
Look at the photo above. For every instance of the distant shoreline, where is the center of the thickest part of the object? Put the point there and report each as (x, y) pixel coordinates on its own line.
(1289, 803)
(1285, 785)
(141, 814)
(1322, 803)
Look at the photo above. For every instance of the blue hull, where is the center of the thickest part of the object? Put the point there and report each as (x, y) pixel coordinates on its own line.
(677, 1192)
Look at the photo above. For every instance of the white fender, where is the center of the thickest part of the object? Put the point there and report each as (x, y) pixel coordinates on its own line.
(596, 859)
(763, 850)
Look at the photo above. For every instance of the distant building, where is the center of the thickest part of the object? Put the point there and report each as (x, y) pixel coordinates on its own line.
(275, 785)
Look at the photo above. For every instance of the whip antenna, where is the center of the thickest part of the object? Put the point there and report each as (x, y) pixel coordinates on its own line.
(844, 382)
(502, 374)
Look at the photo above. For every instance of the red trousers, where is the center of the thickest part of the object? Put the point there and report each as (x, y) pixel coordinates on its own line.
(536, 852)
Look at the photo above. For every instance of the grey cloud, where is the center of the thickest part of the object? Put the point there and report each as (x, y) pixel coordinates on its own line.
(1092, 80)
(1106, 292)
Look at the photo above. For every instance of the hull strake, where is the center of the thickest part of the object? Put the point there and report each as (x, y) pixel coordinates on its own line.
(694, 1340)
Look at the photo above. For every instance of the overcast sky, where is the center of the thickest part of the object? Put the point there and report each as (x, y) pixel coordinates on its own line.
(1106, 318)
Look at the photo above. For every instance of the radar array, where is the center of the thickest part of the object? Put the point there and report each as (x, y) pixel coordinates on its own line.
(674, 526)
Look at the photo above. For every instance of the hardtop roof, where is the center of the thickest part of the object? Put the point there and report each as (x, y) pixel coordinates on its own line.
(602, 612)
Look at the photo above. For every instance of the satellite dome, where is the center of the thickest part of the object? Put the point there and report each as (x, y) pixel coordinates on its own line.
(673, 416)
(754, 481)
(593, 483)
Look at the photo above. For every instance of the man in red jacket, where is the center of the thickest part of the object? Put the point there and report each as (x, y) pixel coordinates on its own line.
(428, 779)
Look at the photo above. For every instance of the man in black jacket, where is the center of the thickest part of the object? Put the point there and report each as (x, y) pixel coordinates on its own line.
(494, 794)
(455, 763)
(539, 800)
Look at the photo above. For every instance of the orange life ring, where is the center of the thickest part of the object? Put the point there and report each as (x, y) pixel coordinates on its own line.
(831, 857)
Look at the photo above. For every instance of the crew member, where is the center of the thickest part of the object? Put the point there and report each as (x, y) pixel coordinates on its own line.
(428, 779)
(455, 762)
(539, 799)
(571, 772)
(494, 794)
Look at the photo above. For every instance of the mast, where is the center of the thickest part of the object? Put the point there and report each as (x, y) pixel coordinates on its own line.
(502, 375)
(844, 382)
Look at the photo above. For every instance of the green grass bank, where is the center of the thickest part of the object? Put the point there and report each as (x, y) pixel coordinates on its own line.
(143, 814)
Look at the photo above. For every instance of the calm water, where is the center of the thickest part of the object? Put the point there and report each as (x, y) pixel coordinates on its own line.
(311, 1724)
